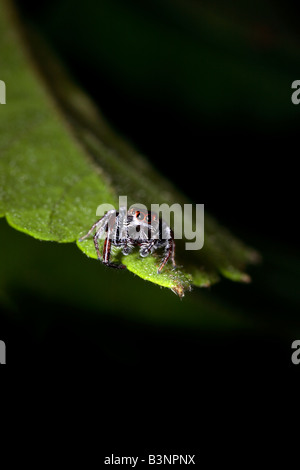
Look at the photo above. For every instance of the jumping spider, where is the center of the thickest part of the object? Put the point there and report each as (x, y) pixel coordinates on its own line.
(128, 229)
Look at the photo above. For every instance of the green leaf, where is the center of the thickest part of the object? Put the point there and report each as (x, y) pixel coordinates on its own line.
(60, 161)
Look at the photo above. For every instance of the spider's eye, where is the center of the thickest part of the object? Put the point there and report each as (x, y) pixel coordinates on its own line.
(148, 218)
(138, 215)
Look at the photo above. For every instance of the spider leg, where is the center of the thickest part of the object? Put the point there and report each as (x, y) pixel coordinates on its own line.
(170, 253)
(173, 252)
(107, 224)
(145, 250)
(127, 249)
(106, 255)
(95, 238)
(106, 250)
(100, 225)
(89, 232)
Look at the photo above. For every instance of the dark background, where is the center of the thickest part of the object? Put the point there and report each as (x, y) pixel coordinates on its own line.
(234, 150)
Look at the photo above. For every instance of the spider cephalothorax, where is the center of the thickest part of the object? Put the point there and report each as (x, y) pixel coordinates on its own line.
(128, 229)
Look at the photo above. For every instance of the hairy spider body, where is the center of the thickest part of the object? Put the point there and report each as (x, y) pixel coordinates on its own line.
(128, 229)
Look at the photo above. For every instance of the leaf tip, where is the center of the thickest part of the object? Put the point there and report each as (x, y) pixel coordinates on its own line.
(180, 288)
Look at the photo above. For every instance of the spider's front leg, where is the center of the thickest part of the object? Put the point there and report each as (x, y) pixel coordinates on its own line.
(100, 226)
(96, 243)
(107, 252)
(107, 224)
